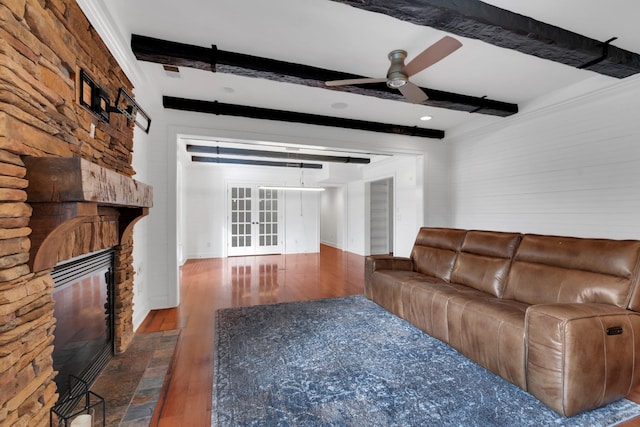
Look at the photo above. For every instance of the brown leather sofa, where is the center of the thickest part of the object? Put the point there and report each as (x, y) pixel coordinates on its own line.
(556, 316)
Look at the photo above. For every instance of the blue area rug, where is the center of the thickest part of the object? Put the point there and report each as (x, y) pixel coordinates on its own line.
(348, 362)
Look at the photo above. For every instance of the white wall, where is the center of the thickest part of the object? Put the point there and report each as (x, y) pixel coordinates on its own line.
(204, 207)
(302, 222)
(569, 169)
(408, 192)
(356, 225)
(333, 214)
(437, 192)
(204, 212)
(146, 270)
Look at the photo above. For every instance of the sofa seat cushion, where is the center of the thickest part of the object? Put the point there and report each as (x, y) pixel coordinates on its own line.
(387, 288)
(428, 304)
(490, 331)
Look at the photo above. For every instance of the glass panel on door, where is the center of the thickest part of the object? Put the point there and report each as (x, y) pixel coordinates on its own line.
(240, 217)
(268, 230)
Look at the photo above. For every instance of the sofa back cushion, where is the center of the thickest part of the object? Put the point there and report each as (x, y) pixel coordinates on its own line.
(435, 250)
(484, 260)
(550, 269)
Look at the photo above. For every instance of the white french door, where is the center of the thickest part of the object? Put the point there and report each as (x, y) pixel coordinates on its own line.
(253, 221)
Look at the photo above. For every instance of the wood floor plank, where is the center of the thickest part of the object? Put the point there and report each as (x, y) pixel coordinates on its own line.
(210, 284)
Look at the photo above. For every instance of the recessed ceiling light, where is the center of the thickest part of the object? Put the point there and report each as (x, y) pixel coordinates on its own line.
(339, 105)
(425, 118)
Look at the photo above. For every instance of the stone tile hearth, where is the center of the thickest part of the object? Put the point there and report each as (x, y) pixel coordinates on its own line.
(132, 381)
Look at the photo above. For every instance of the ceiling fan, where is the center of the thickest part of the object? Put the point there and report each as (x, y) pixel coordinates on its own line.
(398, 73)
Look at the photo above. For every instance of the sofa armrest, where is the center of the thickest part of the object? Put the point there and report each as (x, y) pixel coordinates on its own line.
(388, 262)
(383, 262)
(581, 356)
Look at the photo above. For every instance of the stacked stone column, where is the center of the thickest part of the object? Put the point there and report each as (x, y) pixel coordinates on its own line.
(43, 46)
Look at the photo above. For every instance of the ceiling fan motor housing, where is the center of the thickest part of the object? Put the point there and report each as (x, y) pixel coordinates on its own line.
(396, 77)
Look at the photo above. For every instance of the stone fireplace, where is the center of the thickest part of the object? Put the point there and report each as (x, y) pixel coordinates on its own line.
(65, 190)
(77, 208)
(82, 220)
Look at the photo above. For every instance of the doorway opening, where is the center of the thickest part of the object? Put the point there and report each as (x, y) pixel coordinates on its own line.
(381, 217)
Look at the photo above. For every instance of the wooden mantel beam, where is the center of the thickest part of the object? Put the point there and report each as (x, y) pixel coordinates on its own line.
(66, 192)
(72, 179)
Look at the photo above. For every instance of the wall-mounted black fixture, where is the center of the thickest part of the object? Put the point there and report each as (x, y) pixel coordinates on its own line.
(96, 100)
(128, 107)
(93, 98)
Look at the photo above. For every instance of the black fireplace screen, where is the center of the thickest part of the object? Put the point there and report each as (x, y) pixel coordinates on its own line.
(83, 296)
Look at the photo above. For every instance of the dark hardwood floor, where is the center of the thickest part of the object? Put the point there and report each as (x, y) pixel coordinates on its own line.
(210, 284)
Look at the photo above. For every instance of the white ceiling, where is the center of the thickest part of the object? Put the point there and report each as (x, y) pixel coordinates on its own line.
(334, 36)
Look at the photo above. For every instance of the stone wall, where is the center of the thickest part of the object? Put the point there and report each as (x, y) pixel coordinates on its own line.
(43, 46)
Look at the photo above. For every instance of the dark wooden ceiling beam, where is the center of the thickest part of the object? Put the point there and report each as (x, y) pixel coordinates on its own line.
(249, 162)
(168, 52)
(478, 20)
(288, 155)
(212, 59)
(219, 108)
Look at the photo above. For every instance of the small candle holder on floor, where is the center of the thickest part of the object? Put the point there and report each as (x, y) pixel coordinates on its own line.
(82, 408)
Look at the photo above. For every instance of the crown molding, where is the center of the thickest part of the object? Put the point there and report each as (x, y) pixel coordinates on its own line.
(100, 18)
(619, 87)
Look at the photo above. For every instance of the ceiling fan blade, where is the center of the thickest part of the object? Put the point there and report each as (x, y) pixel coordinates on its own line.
(434, 53)
(353, 82)
(413, 93)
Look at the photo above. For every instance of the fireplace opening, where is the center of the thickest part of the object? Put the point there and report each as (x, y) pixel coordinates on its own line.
(84, 311)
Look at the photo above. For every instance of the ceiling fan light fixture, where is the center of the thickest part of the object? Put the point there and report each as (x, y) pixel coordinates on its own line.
(396, 82)
(396, 78)
(398, 73)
